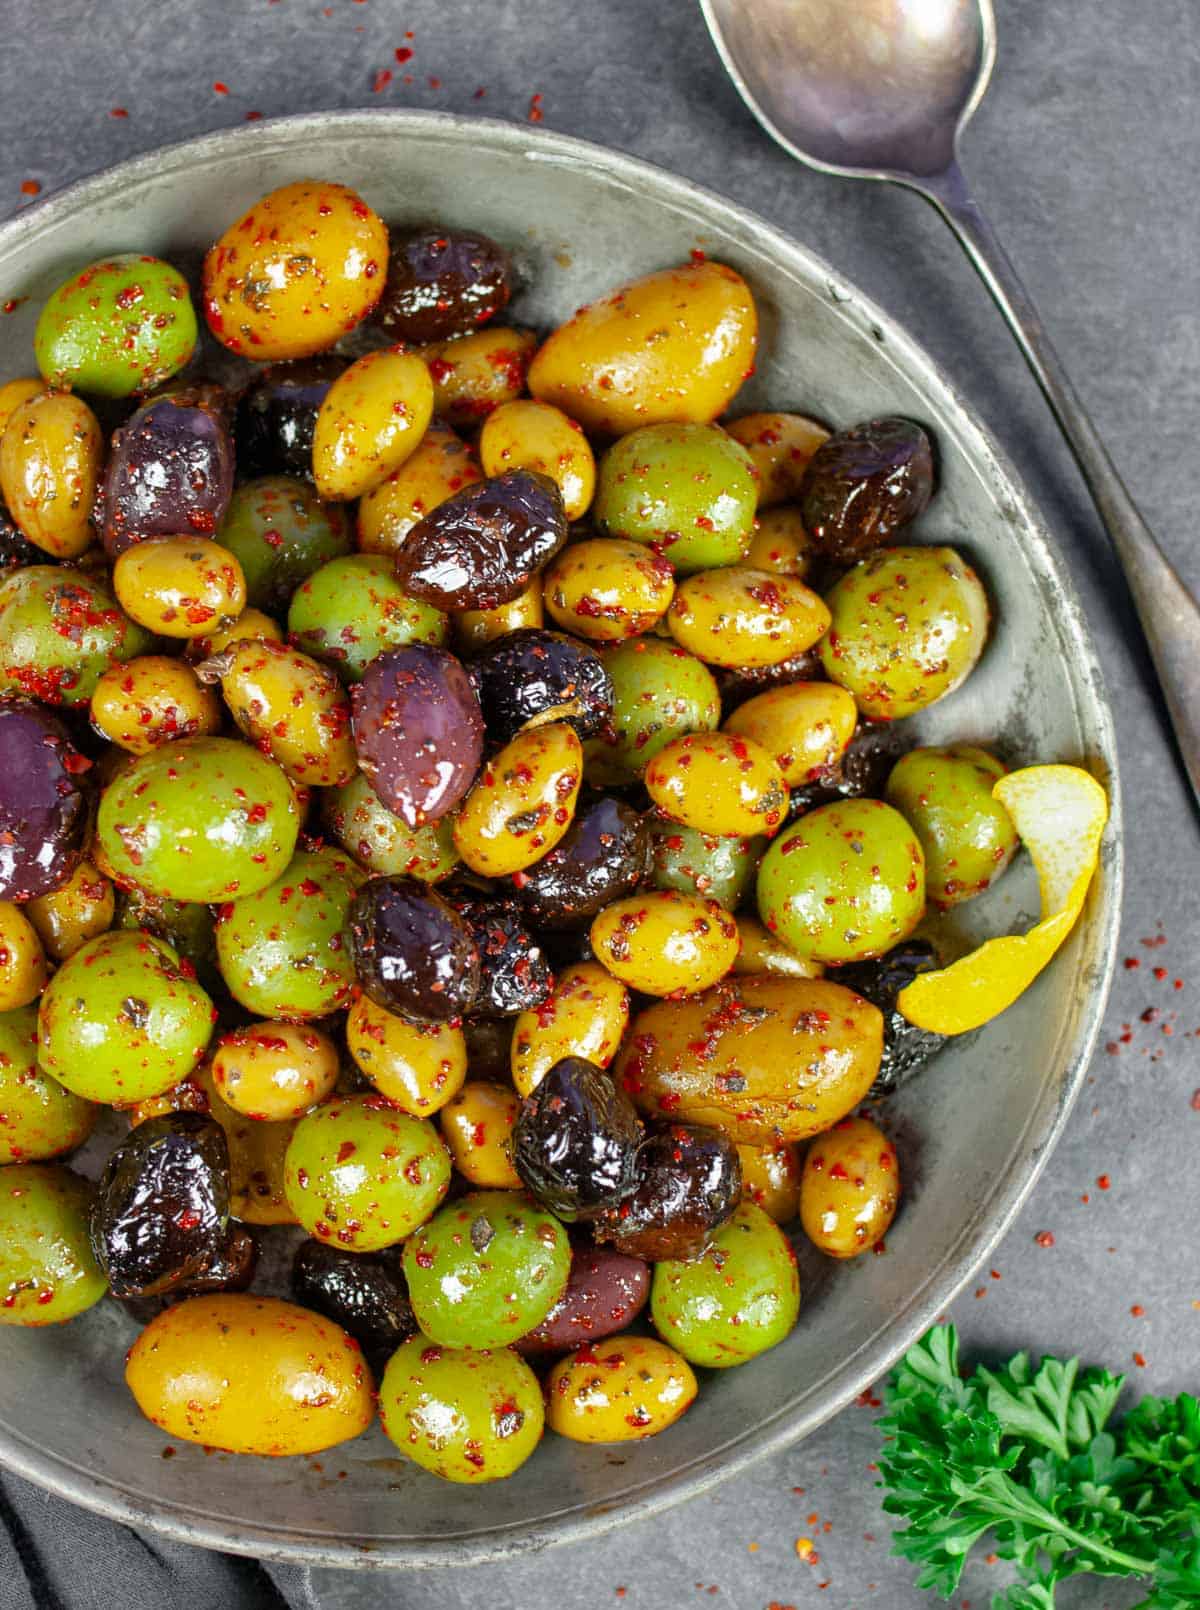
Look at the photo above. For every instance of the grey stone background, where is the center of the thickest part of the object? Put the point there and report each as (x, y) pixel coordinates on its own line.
(1085, 152)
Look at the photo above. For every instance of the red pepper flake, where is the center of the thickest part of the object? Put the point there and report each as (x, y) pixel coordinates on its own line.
(381, 81)
(1103, 1182)
(1044, 1238)
(253, 117)
(1196, 1100)
(30, 187)
(535, 113)
(479, 93)
(1132, 963)
(118, 111)
(1137, 1310)
(1177, 984)
(1160, 972)
(219, 88)
(435, 83)
(1140, 1360)
(403, 54)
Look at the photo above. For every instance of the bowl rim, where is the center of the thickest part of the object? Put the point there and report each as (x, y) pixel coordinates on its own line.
(1045, 1121)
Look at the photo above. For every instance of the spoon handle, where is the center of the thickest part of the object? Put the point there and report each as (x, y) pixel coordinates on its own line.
(1169, 614)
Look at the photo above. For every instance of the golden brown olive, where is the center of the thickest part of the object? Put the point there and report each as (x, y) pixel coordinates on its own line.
(477, 1126)
(180, 586)
(741, 617)
(771, 1180)
(662, 942)
(806, 726)
(418, 1067)
(275, 1070)
(297, 271)
(15, 392)
(153, 700)
(476, 373)
(675, 345)
(762, 952)
(718, 783)
(293, 707)
(50, 459)
(77, 911)
(523, 802)
(22, 960)
(781, 446)
(474, 629)
(763, 1059)
(439, 466)
(251, 626)
(608, 589)
(850, 1188)
(622, 1389)
(372, 419)
(780, 544)
(585, 1016)
(250, 1375)
(526, 435)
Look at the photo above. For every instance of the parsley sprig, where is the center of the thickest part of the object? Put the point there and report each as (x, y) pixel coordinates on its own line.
(1027, 1456)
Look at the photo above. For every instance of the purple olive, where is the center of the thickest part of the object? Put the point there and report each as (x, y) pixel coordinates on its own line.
(689, 1181)
(170, 472)
(277, 415)
(45, 801)
(482, 546)
(441, 283)
(418, 730)
(605, 1292)
(414, 955)
(865, 484)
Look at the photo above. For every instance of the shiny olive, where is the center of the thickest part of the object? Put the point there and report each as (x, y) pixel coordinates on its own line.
(908, 626)
(153, 700)
(529, 677)
(442, 282)
(741, 617)
(967, 836)
(606, 1290)
(370, 421)
(281, 533)
(662, 942)
(353, 609)
(189, 929)
(39, 1118)
(16, 550)
(575, 1144)
(413, 954)
(906, 1048)
(59, 631)
(170, 471)
(780, 447)
(440, 465)
(607, 590)
(771, 1180)
(622, 1389)
(718, 868)
(718, 782)
(584, 1017)
(602, 857)
(50, 460)
(418, 731)
(277, 415)
(274, 1070)
(764, 952)
(179, 586)
(123, 325)
(738, 683)
(526, 435)
(22, 960)
(417, 1066)
(514, 974)
(380, 842)
(362, 1292)
(523, 802)
(13, 393)
(660, 691)
(482, 546)
(806, 726)
(689, 1181)
(477, 1127)
(474, 629)
(48, 1272)
(290, 706)
(860, 772)
(864, 485)
(474, 374)
(45, 801)
(849, 1189)
(251, 626)
(844, 883)
(161, 1207)
(780, 544)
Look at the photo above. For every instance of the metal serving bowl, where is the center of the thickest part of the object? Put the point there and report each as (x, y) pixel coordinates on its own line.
(973, 1131)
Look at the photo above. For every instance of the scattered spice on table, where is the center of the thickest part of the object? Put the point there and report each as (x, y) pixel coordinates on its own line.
(535, 109)
(30, 187)
(1044, 1238)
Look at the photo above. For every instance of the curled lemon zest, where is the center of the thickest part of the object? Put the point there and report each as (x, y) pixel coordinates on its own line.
(1059, 813)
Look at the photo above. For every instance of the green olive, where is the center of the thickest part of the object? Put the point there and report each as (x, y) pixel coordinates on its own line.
(59, 632)
(39, 1118)
(946, 797)
(281, 532)
(48, 1272)
(719, 868)
(120, 326)
(381, 842)
(660, 692)
(353, 609)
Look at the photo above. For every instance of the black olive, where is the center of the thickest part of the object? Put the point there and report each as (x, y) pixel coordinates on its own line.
(865, 484)
(442, 283)
(575, 1142)
(736, 686)
(231, 1267)
(514, 974)
(689, 1181)
(161, 1209)
(277, 415)
(45, 801)
(170, 471)
(534, 676)
(489, 1047)
(364, 1293)
(413, 953)
(906, 1048)
(603, 856)
(482, 546)
(859, 774)
(15, 548)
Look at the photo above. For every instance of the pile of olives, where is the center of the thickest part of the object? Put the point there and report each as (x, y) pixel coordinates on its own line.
(450, 808)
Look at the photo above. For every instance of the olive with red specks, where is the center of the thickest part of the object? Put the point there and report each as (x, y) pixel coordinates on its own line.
(380, 841)
(849, 1189)
(277, 414)
(717, 867)
(274, 1070)
(360, 1291)
(738, 617)
(606, 1291)
(45, 801)
(120, 326)
(440, 465)
(473, 375)
(417, 1066)
(353, 609)
(179, 586)
(477, 1126)
(532, 676)
(688, 1183)
(865, 484)
(575, 1144)
(514, 974)
(660, 691)
(281, 533)
(289, 706)
(414, 955)
(967, 835)
(662, 942)
(718, 782)
(442, 283)
(51, 457)
(39, 1118)
(170, 471)
(606, 590)
(523, 802)
(603, 857)
(59, 631)
(48, 1272)
(585, 1017)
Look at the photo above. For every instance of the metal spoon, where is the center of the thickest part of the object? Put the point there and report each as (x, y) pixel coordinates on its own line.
(881, 89)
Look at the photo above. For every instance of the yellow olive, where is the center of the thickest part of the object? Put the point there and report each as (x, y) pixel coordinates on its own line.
(850, 1188)
(153, 700)
(75, 912)
(780, 544)
(295, 708)
(418, 1067)
(763, 952)
(607, 589)
(718, 783)
(250, 1375)
(673, 346)
(473, 374)
(781, 446)
(474, 629)
(662, 942)
(585, 1015)
(771, 1180)
(373, 417)
(180, 586)
(740, 617)
(523, 802)
(50, 459)
(806, 726)
(477, 1126)
(23, 970)
(763, 1058)
(525, 435)
(297, 271)
(439, 466)
(15, 392)
(622, 1389)
(251, 626)
(275, 1070)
